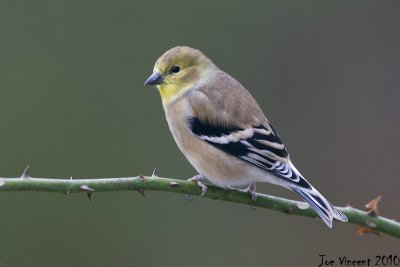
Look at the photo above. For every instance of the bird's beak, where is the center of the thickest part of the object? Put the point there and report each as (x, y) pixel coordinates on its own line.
(155, 78)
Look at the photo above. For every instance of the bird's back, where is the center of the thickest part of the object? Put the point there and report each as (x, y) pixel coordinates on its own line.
(226, 107)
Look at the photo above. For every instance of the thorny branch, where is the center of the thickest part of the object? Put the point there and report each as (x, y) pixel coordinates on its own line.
(369, 221)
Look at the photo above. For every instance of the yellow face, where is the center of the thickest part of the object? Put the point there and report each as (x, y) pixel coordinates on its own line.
(176, 71)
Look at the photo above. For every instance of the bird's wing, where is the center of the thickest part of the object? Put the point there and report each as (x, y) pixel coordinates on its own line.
(259, 145)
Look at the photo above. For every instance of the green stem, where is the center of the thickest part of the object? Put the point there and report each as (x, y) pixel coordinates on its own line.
(141, 183)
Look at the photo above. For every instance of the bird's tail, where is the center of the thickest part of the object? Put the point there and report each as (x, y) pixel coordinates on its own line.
(321, 205)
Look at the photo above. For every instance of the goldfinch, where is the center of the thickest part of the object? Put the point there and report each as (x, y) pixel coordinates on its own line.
(222, 131)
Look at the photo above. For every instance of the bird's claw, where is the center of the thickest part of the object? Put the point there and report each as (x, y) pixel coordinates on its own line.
(251, 189)
(198, 179)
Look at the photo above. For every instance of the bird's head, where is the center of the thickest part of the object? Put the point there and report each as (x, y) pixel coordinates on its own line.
(178, 70)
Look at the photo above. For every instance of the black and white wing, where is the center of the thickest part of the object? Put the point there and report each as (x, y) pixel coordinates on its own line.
(262, 147)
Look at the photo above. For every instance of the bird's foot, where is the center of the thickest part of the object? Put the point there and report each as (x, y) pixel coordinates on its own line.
(251, 189)
(198, 179)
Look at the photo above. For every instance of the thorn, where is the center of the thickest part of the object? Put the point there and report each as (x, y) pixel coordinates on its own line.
(372, 207)
(25, 172)
(372, 210)
(141, 192)
(70, 178)
(366, 230)
(189, 197)
(1, 182)
(154, 174)
(143, 178)
(173, 184)
(289, 211)
(87, 189)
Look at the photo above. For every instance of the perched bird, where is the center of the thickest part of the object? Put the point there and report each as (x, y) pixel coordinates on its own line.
(222, 131)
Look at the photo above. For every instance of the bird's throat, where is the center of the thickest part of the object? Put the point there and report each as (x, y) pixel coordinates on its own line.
(169, 92)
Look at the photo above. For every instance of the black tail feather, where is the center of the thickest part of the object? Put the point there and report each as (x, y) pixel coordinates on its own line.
(324, 209)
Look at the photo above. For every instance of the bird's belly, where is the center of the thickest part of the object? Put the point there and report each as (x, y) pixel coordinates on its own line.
(223, 171)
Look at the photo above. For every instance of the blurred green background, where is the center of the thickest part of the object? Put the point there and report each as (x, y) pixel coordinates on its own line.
(72, 103)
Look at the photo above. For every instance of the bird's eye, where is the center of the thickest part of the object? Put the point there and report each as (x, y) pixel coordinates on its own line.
(175, 69)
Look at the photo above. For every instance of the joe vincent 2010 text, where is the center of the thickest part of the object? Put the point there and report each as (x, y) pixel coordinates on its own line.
(343, 261)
